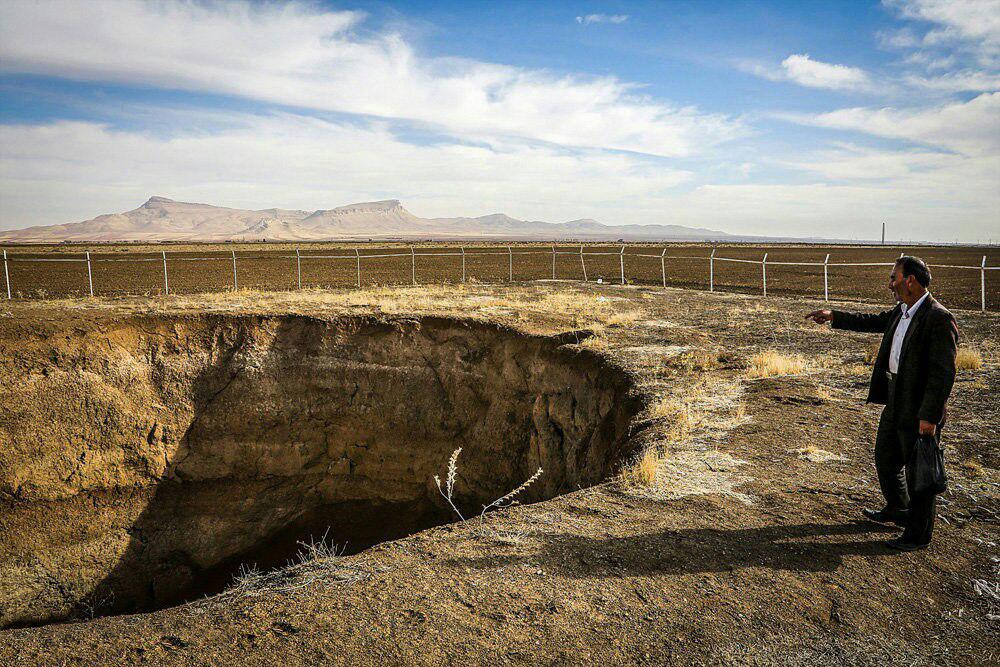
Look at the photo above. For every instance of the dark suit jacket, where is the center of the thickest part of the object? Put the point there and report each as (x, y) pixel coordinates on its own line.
(926, 362)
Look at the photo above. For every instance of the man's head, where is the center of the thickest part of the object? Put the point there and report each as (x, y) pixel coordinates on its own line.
(909, 279)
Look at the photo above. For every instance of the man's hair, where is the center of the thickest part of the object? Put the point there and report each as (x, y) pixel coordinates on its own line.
(914, 266)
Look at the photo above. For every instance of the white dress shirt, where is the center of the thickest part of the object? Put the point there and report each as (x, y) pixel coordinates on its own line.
(904, 324)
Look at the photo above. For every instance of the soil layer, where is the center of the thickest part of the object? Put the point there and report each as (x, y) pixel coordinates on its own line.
(746, 547)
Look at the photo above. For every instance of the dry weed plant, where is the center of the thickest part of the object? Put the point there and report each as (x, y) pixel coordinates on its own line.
(596, 342)
(505, 535)
(682, 416)
(317, 562)
(968, 359)
(858, 369)
(698, 360)
(642, 472)
(772, 363)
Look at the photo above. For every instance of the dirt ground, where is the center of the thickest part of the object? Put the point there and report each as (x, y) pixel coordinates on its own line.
(742, 545)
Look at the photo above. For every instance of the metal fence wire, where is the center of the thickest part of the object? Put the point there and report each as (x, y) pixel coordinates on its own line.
(39, 275)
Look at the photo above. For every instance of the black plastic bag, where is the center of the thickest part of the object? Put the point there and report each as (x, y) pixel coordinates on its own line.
(926, 466)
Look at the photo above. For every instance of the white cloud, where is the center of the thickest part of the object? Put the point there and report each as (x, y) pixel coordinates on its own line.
(972, 127)
(602, 18)
(963, 32)
(959, 81)
(901, 38)
(299, 55)
(804, 71)
(850, 162)
(975, 21)
(67, 171)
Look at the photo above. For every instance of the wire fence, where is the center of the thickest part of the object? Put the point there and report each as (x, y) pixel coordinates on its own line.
(40, 275)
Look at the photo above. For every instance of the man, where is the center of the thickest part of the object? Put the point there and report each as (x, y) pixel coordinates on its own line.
(912, 378)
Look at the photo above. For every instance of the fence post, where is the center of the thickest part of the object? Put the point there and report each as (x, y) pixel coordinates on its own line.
(413, 266)
(90, 275)
(763, 268)
(826, 278)
(583, 265)
(236, 285)
(298, 267)
(621, 262)
(663, 266)
(463, 264)
(166, 283)
(357, 255)
(711, 271)
(510, 265)
(6, 274)
(982, 285)
(553, 262)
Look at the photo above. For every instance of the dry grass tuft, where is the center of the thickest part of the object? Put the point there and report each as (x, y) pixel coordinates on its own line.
(858, 369)
(698, 360)
(682, 416)
(968, 359)
(596, 342)
(623, 318)
(642, 472)
(771, 363)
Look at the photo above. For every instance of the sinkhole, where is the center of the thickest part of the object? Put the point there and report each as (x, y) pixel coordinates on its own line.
(144, 458)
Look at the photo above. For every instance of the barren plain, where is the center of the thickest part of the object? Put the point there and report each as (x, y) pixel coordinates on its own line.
(137, 269)
(705, 457)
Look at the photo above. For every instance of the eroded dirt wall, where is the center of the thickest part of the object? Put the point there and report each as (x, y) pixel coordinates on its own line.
(140, 459)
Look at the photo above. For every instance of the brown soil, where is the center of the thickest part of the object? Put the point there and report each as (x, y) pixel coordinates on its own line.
(119, 269)
(746, 549)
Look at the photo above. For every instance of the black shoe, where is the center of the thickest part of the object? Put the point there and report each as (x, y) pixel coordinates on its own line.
(897, 517)
(899, 545)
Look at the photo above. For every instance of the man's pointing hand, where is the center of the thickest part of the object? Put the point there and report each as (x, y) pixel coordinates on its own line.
(820, 316)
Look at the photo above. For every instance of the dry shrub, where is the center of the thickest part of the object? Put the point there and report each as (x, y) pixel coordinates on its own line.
(968, 359)
(642, 472)
(683, 418)
(596, 342)
(771, 363)
(698, 360)
(623, 318)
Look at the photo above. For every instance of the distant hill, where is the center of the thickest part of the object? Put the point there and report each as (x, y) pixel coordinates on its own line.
(161, 219)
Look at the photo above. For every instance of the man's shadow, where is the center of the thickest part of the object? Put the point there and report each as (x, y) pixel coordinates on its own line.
(799, 547)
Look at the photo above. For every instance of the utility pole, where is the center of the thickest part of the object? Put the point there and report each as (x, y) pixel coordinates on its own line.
(883, 233)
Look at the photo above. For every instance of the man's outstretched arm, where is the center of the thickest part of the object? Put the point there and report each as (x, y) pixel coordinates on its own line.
(871, 323)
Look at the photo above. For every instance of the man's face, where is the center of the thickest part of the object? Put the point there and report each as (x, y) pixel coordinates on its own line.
(898, 284)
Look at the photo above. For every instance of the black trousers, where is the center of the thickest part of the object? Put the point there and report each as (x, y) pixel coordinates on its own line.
(893, 445)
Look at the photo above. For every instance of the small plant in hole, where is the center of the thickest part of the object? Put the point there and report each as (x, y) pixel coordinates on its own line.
(448, 488)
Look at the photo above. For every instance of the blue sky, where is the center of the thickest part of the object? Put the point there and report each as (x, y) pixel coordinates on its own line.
(783, 118)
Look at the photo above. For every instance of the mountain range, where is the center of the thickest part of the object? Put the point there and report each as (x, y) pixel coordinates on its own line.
(162, 219)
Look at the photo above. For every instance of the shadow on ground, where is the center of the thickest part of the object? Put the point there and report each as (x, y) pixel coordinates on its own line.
(807, 547)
